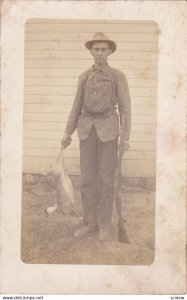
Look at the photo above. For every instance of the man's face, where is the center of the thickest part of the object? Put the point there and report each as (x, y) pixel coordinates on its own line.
(100, 52)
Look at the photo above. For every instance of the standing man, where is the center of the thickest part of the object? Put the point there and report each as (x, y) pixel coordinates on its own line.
(101, 91)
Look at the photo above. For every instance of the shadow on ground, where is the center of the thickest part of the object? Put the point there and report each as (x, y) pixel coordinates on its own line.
(49, 239)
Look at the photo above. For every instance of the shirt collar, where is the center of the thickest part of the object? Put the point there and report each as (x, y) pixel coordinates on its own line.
(103, 69)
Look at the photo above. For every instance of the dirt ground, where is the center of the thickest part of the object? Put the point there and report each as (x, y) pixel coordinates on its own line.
(48, 239)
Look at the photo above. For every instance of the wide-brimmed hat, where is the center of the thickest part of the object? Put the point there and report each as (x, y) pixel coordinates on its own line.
(101, 37)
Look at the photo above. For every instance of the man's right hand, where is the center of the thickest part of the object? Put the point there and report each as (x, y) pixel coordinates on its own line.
(66, 141)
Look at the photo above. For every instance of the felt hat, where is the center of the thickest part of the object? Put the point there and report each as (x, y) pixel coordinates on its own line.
(101, 37)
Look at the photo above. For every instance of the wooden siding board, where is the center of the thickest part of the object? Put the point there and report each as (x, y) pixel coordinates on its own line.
(58, 135)
(40, 152)
(91, 27)
(130, 168)
(55, 117)
(81, 37)
(72, 82)
(55, 144)
(70, 91)
(74, 73)
(85, 64)
(61, 108)
(67, 100)
(74, 46)
(58, 126)
(55, 56)
(69, 55)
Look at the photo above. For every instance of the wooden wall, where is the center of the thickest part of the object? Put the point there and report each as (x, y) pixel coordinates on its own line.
(55, 56)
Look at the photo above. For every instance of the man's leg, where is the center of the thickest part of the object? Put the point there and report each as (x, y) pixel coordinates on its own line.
(108, 158)
(89, 182)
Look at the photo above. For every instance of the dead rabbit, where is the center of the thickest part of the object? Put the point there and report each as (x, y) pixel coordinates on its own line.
(63, 185)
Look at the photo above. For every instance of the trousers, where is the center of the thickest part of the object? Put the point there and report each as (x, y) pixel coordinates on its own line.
(98, 161)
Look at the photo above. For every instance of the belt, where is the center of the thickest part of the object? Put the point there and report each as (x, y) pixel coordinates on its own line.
(100, 114)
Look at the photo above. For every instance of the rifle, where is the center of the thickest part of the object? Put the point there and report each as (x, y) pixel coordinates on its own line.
(122, 233)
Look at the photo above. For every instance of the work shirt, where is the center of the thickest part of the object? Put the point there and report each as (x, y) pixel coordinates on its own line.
(97, 90)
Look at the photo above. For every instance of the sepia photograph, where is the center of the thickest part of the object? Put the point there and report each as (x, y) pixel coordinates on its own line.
(93, 147)
(89, 142)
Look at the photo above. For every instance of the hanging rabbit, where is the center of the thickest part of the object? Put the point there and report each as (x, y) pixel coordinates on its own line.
(63, 184)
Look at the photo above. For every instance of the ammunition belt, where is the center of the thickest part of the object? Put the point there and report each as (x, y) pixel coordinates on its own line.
(100, 114)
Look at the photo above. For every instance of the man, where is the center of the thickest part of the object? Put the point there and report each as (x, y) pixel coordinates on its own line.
(100, 89)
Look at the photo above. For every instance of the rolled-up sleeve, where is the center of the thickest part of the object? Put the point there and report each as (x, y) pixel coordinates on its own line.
(124, 104)
(76, 108)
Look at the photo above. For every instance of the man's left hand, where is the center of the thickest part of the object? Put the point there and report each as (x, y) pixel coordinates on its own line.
(124, 146)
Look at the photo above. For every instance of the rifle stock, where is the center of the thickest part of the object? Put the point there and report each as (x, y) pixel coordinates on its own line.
(122, 233)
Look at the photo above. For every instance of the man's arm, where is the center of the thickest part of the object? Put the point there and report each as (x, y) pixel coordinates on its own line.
(74, 114)
(124, 104)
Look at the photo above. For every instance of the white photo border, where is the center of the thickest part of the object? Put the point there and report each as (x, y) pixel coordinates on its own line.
(167, 274)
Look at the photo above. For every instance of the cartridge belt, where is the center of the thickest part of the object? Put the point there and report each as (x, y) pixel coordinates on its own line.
(100, 114)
